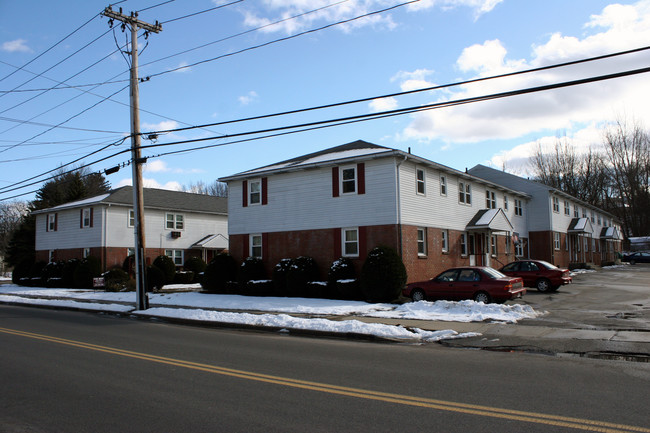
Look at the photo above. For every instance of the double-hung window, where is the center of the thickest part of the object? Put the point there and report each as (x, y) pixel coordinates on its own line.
(86, 218)
(255, 192)
(556, 241)
(443, 185)
(556, 204)
(51, 222)
(490, 199)
(422, 241)
(567, 207)
(350, 242)
(255, 246)
(463, 244)
(176, 256)
(576, 212)
(445, 241)
(493, 245)
(420, 181)
(349, 180)
(519, 210)
(505, 202)
(464, 193)
(174, 221)
(131, 219)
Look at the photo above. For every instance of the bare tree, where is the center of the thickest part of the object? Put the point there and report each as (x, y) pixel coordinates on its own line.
(218, 189)
(11, 215)
(627, 147)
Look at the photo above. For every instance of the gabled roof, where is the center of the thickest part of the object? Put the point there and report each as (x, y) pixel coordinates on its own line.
(153, 199)
(357, 151)
(493, 219)
(580, 225)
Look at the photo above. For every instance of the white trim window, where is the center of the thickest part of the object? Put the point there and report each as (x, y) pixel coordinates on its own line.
(255, 192)
(493, 245)
(174, 221)
(130, 218)
(350, 242)
(443, 185)
(490, 199)
(505, 202)
(420, 179)
(519, 249)
(556, 241)
(465, 193)
(445, 240)
(349, 180)
(51, 222)
(422, 242)
(86, 217)
(556, 204)
(576, 212)
(519, 210)
(593, 217)
(463, 244)
(567, 208)
(86, 252)
(255, 246)
(176, 256)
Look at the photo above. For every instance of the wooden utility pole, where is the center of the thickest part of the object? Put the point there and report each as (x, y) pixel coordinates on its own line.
(142, 302)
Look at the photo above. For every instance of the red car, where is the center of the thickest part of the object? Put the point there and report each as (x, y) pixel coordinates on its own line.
(538, 273)
(480, 283)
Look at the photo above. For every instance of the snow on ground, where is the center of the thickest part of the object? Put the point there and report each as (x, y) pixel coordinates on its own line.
(209, 307)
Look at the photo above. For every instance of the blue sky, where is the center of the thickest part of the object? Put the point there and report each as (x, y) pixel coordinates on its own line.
(421, 44)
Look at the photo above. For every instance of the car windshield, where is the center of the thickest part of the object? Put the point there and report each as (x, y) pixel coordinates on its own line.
(547, 265)
(493, 273)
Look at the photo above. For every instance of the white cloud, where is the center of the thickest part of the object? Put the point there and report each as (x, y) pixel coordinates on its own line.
(182, 67)
(161, 126)
(152, 183)
(383, 104)
(15, 46)
(155, 166)
(479, 7)
(413, 80)
(248, 98)
(621, 28)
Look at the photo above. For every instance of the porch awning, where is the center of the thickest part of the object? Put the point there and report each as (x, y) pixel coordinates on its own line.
(212, 242)
(609, 233)
(490, 219)
(580, 225)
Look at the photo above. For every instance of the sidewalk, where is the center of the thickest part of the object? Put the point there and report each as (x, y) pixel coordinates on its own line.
(610, 344)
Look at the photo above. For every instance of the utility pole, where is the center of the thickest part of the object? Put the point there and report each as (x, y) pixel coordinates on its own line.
(142, 301)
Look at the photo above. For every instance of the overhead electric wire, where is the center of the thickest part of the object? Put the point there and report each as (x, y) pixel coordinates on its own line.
(9, 119)
(286, 38)
(408, 92)
(200, 12)
(155, 6)
(49, 49)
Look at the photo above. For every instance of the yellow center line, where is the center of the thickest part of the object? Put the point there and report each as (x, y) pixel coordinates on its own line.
(472, 409)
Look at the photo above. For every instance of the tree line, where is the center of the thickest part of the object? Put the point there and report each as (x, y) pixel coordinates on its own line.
(614, 177)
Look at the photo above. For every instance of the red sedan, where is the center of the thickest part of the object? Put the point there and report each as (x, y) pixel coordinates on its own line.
(480, 283)
(538, 273)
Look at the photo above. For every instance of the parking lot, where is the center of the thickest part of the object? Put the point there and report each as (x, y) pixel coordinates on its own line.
(616, 298)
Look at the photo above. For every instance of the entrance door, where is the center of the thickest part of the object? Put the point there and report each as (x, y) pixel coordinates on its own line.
(472, 249)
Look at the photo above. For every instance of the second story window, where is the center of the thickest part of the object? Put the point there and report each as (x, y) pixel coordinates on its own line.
(86, 218)
(348, 180)
(51, 222)
(255, 192)
(131, 219)
(519, 210)
(174, 221)
(419, 179)
(443, 185)
(556, 204)
(567, 207)
(464, 193)
(490, 199)
(505, 202)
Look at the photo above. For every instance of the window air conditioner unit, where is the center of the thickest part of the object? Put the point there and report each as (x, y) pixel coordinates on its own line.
(176, 235)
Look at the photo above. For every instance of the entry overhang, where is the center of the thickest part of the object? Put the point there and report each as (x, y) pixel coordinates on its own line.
(581, 226)
(490, 219)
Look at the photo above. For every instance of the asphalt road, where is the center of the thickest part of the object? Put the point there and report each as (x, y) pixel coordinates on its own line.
(63, 371)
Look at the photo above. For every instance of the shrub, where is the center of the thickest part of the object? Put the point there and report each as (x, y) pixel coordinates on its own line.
(251, 269)
(35, 274)
(84, 273)
(383, 275)
(279, 276)
(52, 274)
(302, 271)
(115, 280)
(258, 288)
(197, 266)
(155, 278)
(67, 274)
(221, 270)
(128, 265)
(342, 279)
(166, 264)
(21, 271)
(184, 277)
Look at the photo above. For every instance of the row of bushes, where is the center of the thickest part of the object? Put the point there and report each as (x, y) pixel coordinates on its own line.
(381, 279)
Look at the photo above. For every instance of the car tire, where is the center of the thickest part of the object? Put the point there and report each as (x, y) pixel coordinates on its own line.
(481, 297)
(543, 285)
(633, 262)
(418, 295)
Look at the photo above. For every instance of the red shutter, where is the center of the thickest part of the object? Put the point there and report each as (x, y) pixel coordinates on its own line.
(265, 184)
(265, 246)
(336, 234)
(81, 218)
(363, 249)
(244, 187)
(335, 181)
(47, 222)
(245, 252)
(91, 217)
(56, 221)
(361, 177)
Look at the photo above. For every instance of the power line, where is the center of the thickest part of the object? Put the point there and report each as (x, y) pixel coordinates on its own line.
(408, 92)
(275, 41)
(27, 122)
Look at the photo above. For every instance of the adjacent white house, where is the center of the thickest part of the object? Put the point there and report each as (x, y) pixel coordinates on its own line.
(562, 229)
(345, 200)
(177, 224)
